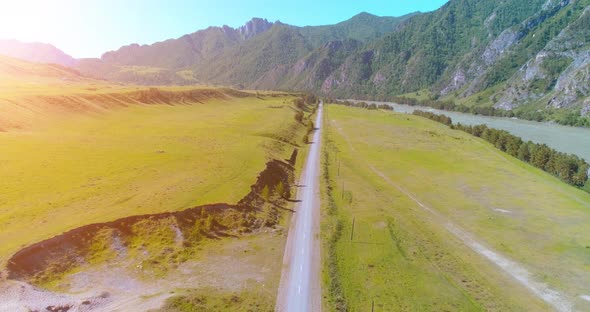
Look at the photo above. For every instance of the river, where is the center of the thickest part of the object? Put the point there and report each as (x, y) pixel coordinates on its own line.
(565, 139)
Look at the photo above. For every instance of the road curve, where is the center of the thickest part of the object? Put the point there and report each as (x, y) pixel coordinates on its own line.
(300, 289)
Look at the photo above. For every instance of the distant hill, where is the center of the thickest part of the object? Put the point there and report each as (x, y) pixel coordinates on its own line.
(14, 70)
(35, 52)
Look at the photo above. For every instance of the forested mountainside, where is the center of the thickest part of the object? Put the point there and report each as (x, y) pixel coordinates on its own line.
(528, 57)
(531, 57)
(229, 56)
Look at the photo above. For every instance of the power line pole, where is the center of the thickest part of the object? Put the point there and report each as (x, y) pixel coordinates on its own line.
(352, 231)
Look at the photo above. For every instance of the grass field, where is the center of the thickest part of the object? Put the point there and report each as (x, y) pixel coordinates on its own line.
(408, 184)
(83, 168)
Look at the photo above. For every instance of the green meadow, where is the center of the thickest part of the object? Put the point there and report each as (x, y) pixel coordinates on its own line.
(404, 181)
(82, 168)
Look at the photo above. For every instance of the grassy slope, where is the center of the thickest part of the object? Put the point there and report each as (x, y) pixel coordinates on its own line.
(136, 160)
(403, 258)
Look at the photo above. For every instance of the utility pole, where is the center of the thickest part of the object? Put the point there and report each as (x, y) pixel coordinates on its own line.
(352, 231)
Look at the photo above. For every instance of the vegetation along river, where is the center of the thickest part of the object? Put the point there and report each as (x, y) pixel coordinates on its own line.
(565, 139)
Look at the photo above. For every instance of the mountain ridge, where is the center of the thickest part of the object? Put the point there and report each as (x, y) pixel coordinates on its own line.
(531, 57)
(35, 52)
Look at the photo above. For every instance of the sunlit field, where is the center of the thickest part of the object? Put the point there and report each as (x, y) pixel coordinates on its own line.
(420, 194)
(140, 159)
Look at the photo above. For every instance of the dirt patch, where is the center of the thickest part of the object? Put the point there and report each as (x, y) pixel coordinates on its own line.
(504, 211)
(14, 294)
(226, 268)
(381, 224)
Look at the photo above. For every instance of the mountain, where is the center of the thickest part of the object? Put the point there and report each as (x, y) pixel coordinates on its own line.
(187, 50)
(35, 52)
(531, 57)
(169, 62)
(225, 55)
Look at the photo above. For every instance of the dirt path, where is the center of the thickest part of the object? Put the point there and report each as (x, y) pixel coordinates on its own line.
(557, 300)
(300, 288)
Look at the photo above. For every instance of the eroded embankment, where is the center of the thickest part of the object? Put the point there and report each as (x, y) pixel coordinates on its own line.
(22, 111)
(156, 242)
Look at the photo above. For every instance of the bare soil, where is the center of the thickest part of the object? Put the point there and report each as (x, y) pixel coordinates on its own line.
(231, 265)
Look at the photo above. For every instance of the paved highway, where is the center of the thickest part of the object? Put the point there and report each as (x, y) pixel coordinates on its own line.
(299, 290)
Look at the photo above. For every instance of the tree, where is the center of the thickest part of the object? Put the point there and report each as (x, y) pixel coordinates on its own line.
(196, 233)
(265, 194)
(524, 152)
(479, 130)
(581, 177)
(540, 155)
(565, 167)
(209, 223)
(513, 145)
(280, 189)
(299, 103)
(305, 139)
(299, 116)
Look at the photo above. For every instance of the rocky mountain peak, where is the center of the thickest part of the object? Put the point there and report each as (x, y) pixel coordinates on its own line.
(254, 27)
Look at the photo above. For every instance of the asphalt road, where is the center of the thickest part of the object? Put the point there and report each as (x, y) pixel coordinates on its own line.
(299, 289)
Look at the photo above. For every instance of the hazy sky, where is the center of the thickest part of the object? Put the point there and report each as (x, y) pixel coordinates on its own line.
(88, 28)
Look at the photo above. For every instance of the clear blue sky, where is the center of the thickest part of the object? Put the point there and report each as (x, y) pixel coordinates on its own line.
(88, 28)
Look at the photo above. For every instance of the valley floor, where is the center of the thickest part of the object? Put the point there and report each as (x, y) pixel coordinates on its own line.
(421, 217)
(123, 200)
(83, 168)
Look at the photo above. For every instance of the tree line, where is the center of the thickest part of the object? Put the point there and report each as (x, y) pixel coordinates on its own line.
(567, 167)
(364, 105)
(446, 120)
(306, 102)
(567, 119)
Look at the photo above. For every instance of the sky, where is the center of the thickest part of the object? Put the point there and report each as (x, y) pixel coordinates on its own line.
(88, 28)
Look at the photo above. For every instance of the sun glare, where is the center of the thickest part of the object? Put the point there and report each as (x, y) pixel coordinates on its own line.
(37, 20)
